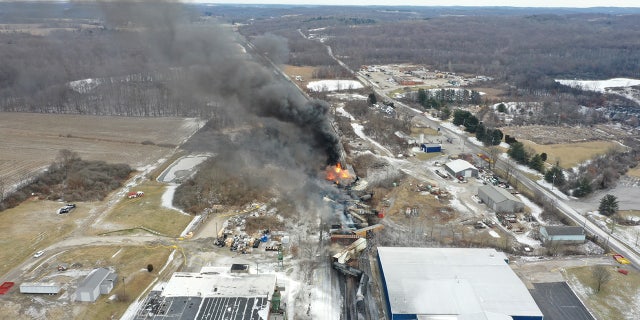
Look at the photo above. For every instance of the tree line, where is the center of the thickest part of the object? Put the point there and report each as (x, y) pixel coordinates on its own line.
(70, 178)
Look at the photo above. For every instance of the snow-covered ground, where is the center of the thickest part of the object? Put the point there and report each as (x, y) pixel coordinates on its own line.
(347, 96)
(599, 85)
(84, 85)
(333, 85)
(619, 86)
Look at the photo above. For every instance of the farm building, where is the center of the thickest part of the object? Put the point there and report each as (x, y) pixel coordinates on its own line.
(99, 281)
(461, 168)
(213, 296)
(40, 287)
(562, 234)
(452, 283)
(499, 199)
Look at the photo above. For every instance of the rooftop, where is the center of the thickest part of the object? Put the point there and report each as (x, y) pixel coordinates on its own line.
(186, 284)
(454, 281)
(210, 296)
(459, 165)
(94, 278)
(498, 194)
(564, 230)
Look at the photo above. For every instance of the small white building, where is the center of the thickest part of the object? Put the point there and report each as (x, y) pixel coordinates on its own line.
(99, 281)
(461, 168)
(562, 235)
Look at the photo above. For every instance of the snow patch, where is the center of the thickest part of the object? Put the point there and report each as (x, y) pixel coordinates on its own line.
(333, 85)
(600, 85)
(348, 96)
(183, 168)
(84, 85)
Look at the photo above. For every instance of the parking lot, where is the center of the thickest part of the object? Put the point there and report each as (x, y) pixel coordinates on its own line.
(558, 302)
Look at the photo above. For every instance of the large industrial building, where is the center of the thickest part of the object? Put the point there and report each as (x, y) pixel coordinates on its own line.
(499, 199)
(453, 284)
(210, 295)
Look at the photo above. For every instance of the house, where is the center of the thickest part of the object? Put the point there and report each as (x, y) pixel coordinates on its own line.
(562, 235)
(461, 168)
(452, 283)
(99, 281)
(499, 199)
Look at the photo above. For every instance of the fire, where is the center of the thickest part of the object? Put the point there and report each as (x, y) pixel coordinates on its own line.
(337, 173)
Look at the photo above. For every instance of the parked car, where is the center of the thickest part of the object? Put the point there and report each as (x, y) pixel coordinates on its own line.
(67, 208)
(38, 254)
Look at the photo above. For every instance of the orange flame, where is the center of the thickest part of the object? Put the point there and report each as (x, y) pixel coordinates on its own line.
(337, 173)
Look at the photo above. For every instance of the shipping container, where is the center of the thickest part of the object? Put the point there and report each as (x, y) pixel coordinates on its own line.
(39, 287)
(428, 148)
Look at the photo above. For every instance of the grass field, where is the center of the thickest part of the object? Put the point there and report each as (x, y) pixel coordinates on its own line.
(571, 154)
(635, 172)
(147, 211)
(129, 262)
(305, 72)
(617, 299)
(415, 132)
(32, 141)
(33, 226)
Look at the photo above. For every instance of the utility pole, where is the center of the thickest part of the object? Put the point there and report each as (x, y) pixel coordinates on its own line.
(124, 292)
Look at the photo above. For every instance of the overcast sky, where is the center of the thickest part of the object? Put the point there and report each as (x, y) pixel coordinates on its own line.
(514, 3)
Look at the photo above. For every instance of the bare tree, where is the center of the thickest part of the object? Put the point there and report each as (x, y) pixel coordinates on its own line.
(494, 153)
(601, 276)
(2, 188)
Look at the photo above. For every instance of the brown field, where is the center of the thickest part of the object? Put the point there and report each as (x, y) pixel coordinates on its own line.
(555, 135)
(571, 154)
(617, 298)
(31, 142)
(305, 72)
(490, 93)
(37, 29)
(148, 212)
(32, 226)
(635, 172)
(415, 132)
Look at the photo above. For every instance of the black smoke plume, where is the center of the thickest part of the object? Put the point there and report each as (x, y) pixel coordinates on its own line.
(239, 88)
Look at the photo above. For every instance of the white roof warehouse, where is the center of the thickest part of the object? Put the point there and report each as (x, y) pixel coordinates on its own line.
(453, 284)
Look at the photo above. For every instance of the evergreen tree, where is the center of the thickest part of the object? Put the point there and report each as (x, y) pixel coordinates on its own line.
(471, 124)
(372, 98)
(445, 113)
(496, 137)
(536, 163)
(584, 188)
(518, 153)
(608, 205)
(480, 132)
(555, 175)
(422, 97)
(459, 116)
